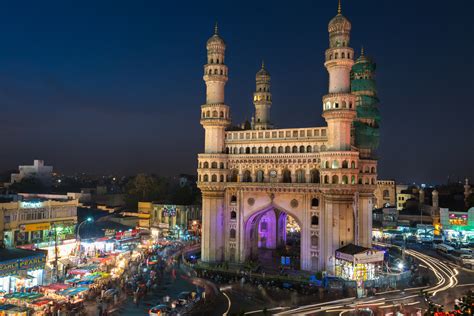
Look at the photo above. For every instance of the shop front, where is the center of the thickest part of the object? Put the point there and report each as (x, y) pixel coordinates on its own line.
(358, 263)
(21, 269)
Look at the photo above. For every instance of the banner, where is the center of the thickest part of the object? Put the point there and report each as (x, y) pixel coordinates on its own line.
(35, 227)
(24, 264)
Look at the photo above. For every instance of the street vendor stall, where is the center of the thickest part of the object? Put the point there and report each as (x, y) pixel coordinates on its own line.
(74, 294)
(18, 311)
(41, 306)
(358, 263)
(4, 308)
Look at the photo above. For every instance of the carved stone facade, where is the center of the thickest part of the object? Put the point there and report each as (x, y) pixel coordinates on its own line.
(251, 180)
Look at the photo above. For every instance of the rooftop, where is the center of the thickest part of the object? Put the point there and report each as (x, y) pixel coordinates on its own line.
(352, 249)
(16, 253)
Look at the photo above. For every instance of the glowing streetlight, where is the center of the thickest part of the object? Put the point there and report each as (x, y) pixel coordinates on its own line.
(400, 266)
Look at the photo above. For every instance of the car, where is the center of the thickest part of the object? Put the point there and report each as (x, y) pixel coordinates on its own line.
(183, 298)
(437, 239)
(412, 239)
(426, 239)
(159, 310)
(398, 240)
(444, 248)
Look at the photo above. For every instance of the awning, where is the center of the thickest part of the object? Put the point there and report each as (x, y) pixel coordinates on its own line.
(23, 277)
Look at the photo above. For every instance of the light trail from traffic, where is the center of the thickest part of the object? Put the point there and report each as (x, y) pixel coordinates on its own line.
(446, 278)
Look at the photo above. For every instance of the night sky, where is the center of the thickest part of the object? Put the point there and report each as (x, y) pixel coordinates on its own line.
(116, 86)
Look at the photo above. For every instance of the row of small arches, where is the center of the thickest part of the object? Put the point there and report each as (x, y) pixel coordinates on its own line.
(345, 180)
(336, 164)
(274, 149)
(213, 114)
(216, 72)
(212, 165)
(260, 176)
(260, 98)
(343, 55)
(211, 61)
(335, 105)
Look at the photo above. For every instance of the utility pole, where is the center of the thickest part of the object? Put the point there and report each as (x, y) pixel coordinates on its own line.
(56, 253)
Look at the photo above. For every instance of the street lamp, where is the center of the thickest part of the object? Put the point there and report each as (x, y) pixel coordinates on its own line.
(78, 237)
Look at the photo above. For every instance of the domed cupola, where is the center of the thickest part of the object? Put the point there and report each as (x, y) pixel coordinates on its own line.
(339, 29)
(215, 39)
(263, 73)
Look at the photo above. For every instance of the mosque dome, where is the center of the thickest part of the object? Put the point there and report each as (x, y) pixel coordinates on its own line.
(263, 72)
(339, 23)
(216, 39)
(363, 63)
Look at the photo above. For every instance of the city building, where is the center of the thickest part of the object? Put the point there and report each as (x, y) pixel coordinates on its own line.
(402, 198)
(385, 193)
(37, 222)
(256, 180)
(37, 171)
(162, 219)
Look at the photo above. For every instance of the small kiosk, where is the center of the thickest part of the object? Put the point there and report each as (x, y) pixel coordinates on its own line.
(357, 263)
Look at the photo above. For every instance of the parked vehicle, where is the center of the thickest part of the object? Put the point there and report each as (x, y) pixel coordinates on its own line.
(437, 239)
(398, 240)
(426, 239)
(159, 310)
(444, 249)
(412, 239)
(467, 261)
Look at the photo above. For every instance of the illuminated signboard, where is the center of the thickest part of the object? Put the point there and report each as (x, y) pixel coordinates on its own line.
(458, 219)
(35, 227)
(31, 204)
(29, 263)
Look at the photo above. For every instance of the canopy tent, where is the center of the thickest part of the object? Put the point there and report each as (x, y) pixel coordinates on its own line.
(73, 291)
(55, 287)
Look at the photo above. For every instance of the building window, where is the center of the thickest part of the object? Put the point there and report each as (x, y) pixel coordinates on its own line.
(247, 176)
(233, 233)
(314, 202)
(314, 241)
(233, 215)
(286, 176)
(314, 220)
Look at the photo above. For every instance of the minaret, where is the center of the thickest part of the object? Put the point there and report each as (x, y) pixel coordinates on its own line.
(467, 191)
(339, 103)
(421, 197)
(366, 125)
(215, 115)
(262, 99)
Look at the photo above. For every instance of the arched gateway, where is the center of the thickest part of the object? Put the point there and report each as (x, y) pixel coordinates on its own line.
(270, 239)
(255, 178)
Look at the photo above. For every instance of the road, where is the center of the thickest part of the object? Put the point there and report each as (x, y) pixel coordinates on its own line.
(452, 281)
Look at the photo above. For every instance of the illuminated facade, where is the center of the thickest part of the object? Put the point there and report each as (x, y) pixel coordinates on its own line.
(37, 171)
(385, 193)
(253, 180)
(31, 221)
(160, 218)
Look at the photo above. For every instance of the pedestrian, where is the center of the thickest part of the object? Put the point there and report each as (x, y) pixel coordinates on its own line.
(135, 299)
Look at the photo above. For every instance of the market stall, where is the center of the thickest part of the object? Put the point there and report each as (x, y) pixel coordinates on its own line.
(358, 263)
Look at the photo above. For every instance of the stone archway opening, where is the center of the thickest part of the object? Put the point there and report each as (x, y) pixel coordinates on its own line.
(273, 241)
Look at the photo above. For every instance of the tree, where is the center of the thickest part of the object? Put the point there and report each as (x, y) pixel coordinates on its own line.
(145, 188)
(28, 185)
(470, 200)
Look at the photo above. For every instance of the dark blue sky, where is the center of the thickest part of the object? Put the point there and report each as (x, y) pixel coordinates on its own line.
(116, 86)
